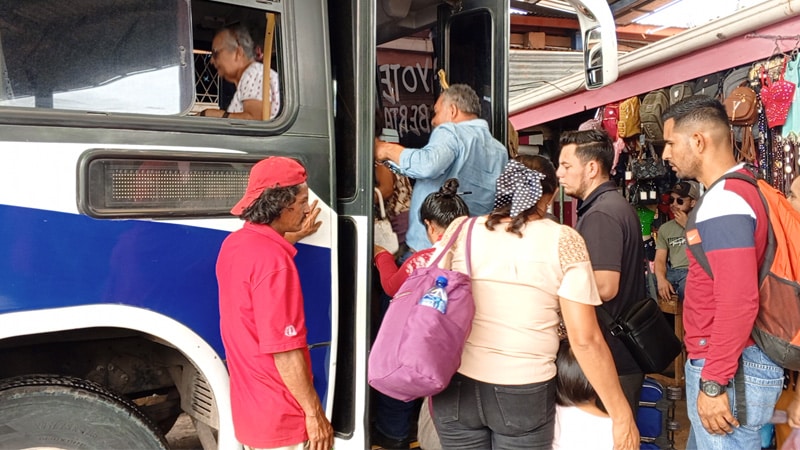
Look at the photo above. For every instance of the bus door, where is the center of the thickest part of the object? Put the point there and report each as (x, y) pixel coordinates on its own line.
(472, 46)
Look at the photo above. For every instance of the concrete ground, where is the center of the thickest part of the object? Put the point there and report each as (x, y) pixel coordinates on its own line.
(182, 436)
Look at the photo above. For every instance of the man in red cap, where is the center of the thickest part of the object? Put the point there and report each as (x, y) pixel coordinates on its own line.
(262, 323)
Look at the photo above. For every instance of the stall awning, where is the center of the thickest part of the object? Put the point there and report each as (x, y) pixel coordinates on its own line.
(638, 75)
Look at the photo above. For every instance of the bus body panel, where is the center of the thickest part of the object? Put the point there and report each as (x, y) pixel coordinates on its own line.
(69, 277)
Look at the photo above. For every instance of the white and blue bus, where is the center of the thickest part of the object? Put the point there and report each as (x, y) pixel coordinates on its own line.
(114, 198)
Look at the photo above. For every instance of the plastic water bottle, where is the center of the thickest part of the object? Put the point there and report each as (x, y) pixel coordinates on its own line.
(436, 297)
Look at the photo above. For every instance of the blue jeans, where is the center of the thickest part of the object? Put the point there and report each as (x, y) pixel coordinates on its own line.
(763, 383)
(471, 414)
(677, 278)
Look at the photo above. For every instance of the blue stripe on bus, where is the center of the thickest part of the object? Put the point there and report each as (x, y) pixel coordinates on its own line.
(52, 259)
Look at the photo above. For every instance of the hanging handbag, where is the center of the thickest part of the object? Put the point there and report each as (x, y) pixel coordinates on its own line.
(595, 123)
(741, 106)
(776, 96)
(648, 165)
(646, 334)
(384, 235)
(418, 348)
(643, 192)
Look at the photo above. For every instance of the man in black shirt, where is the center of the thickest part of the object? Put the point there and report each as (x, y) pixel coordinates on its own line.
(613, 235)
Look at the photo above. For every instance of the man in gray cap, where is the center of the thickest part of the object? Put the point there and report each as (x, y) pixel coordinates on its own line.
(672, 263)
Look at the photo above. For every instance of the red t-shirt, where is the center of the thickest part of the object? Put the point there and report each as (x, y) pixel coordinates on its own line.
(261, 313)
(392, 277)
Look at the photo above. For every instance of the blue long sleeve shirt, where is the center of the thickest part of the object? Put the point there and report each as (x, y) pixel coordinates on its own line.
(466, 151)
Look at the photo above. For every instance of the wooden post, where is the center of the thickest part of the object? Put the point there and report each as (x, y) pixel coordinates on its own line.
(266, 92)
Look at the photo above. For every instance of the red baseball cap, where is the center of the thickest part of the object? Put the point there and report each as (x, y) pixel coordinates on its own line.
(273, 172)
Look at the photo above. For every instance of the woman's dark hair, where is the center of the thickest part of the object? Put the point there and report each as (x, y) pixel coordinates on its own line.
(270, 204)
(444, 206)
(549, 186)
(572, 387)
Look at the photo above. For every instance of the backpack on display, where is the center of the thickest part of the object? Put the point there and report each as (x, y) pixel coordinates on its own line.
(650, 111)
(777, 326)
(734, 79)
(610, 119)
(629, 124)
(709, 85)
(679, 92)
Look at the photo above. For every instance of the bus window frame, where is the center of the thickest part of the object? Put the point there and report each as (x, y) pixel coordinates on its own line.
(286, 67)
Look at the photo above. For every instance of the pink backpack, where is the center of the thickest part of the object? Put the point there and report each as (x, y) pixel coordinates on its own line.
(418, 349)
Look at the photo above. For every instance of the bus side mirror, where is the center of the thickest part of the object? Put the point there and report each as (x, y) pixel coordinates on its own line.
(599, 42)
(599, 70)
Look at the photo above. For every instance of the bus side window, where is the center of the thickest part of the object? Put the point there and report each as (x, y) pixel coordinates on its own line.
(108, 57)
(123, 58)
(236, 61)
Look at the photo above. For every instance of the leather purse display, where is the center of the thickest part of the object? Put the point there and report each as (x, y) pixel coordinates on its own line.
(648, 165)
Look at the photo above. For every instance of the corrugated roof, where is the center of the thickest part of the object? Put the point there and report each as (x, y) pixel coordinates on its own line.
(528, 69)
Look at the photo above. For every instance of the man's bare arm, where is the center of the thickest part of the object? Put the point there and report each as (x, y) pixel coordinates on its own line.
(296, 375)
(607, 283)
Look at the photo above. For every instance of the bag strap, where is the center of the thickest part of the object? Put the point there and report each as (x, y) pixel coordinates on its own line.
(697, 250)
(652, 150)
(469, 246)
(610, 322)
(380, 202)
(452, 241)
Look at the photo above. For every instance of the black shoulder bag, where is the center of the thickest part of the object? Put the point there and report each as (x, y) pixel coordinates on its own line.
(646, 333)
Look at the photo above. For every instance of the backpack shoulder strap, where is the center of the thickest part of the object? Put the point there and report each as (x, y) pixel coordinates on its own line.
(691, 228)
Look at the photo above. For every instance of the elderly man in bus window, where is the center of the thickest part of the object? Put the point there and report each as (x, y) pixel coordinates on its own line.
(233, 54)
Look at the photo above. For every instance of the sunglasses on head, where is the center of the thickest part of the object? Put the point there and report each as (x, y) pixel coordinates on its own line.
(677, 200)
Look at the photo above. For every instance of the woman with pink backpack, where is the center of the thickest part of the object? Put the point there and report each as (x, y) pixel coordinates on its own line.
(528, 272)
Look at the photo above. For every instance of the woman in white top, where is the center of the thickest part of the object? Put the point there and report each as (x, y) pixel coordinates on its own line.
(526, 269)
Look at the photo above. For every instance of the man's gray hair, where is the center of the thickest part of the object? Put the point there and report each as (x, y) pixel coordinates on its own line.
(464, 98)
(239, 36)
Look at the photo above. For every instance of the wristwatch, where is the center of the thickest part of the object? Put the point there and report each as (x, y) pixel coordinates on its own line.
(711, 388)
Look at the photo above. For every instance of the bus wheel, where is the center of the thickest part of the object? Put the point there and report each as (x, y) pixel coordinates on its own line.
(58, 412)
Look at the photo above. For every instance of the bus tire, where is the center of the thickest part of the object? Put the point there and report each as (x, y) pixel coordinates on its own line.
(55, 411)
